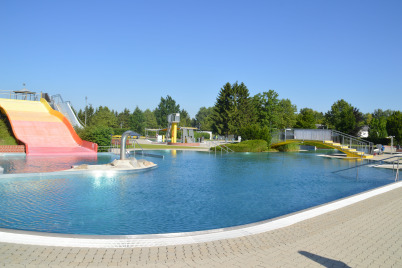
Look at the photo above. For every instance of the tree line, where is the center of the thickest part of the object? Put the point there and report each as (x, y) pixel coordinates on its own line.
(235, 112)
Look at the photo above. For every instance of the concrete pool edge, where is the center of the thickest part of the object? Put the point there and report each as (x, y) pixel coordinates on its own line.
(169, 239)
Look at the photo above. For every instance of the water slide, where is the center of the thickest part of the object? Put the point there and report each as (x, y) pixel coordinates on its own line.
(43, 130)
(67, 111)
(64, 107)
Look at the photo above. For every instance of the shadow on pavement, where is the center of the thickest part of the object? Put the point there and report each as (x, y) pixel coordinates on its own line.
(326, 262)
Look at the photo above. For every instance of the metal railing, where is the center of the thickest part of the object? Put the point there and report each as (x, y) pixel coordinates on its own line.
(353, 142)
(323, 135)
(56, 99)
(395, 165)
(142, 152)
(131, 145)
(11, 94)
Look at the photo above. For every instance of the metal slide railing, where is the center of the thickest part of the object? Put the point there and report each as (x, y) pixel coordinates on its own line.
(65, 108)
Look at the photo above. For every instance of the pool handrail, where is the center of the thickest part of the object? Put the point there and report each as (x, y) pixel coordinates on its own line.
(397, 162)
(223, 147)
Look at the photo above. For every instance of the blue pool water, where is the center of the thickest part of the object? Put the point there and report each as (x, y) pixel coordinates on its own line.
(188, 191)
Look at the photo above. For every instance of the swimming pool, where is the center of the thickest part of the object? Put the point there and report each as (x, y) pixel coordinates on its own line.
(189, 191)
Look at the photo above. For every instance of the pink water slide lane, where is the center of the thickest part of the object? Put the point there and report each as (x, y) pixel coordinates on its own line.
(44, 131)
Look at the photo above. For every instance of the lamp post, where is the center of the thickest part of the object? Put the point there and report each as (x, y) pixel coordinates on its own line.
(86, 105)
(392, 143)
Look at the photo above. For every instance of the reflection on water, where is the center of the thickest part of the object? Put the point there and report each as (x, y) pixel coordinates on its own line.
(173, 153)
(37, 164)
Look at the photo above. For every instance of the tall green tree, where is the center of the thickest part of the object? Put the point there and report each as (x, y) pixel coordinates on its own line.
(286, 114)
(89, 111)
(394, 126)
(305, 119)
(137, 121)
(342, 117)
(185, 120)
(267, 106)
(378, 124)
(233, 109)
(319, 117)
(220, 115)
(367, 118)
(242, 112)
(123, 119)
(360, 119)
(378, 128)
(104, 117)
(166, 106)
(203, 118)
(150, 119)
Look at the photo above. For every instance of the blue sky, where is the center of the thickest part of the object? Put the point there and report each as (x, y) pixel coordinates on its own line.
(127, 53)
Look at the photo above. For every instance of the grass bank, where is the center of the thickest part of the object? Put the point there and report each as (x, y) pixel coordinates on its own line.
(6, 134)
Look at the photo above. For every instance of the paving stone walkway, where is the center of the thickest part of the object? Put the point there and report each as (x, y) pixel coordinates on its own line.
(365, 234)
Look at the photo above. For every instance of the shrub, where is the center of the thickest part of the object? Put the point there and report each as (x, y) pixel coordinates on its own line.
(255, 132)
(248, 146)
(316, 144)
(291, 147)
(98, 134)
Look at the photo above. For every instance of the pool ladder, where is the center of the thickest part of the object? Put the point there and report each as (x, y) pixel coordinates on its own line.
(223, 147)
(142, 152)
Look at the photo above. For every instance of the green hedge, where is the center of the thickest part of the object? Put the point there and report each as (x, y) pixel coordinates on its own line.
(254, 146)
(98, 134)
(255, 132)
(316, 144)
(291, 147)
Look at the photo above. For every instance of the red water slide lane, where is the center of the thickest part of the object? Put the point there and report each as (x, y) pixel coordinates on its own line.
(91, 146)
(46, 132)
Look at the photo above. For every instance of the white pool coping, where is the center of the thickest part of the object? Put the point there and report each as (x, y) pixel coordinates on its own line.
(154, 240)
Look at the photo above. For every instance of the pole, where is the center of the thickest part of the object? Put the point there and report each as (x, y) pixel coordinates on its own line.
(86, 101)
(285, 134)
(357, 170)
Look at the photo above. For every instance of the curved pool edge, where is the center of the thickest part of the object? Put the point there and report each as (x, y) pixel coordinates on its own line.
(169, 239)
